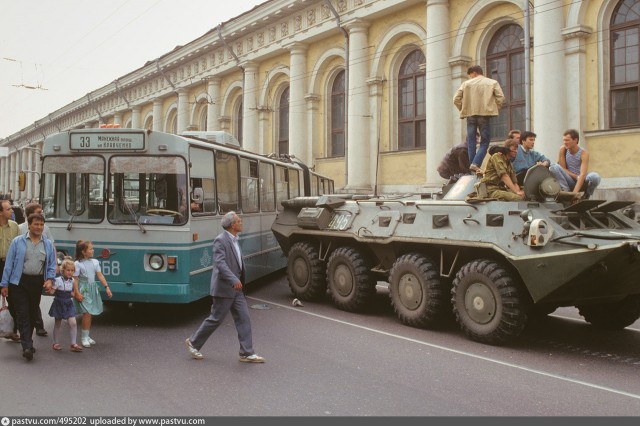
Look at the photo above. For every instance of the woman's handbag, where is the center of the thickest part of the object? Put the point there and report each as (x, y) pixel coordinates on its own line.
(6, 322)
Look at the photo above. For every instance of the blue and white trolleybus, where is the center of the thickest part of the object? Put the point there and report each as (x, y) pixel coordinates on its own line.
(151, 203)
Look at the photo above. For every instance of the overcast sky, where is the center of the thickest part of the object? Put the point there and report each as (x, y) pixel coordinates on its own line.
(54, 52)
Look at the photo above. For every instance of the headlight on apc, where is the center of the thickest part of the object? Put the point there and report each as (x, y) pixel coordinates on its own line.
(539, 233)
(156, 262)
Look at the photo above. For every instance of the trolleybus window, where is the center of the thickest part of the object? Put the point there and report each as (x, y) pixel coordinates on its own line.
(227, 174)
(294, 183)
(73, 188)
(267, 190)
(249, 185)
(203, 184)
(147, 190)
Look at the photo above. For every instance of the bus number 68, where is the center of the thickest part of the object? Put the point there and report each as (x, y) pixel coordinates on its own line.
(111, 268)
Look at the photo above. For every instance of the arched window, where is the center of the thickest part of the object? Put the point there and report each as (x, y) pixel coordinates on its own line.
(625, 64)
(172, 122)
(202, 121)
(148, 123)
(283, 124)
(412, 129)
(239, 112)
(337, 115)
(505, 63)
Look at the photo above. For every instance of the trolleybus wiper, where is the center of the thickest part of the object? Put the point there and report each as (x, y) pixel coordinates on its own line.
(133, 214)
(76, 212)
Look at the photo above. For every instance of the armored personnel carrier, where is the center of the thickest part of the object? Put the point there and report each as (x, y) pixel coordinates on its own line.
(495, 264)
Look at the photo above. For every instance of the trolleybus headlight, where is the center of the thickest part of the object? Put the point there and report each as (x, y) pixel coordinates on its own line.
(156, 262)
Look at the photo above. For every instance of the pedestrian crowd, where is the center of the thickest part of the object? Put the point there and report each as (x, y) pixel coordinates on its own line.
(29, 266)
(503, 171)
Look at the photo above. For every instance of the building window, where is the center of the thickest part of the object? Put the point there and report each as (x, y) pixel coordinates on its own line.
(337, 116)
(148, 123)
(625, 64)
(505, 63)
(172, 122)
(283, 123)
(202, 121)
(412, 130)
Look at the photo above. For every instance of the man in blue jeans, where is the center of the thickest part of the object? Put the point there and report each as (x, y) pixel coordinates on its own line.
(30, 265)
(572, 169)
(478, 99)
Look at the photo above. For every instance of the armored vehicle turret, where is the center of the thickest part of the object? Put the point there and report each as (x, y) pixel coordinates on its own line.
(495, 264)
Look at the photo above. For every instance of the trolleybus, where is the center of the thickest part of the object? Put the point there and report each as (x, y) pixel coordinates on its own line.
(151, 203)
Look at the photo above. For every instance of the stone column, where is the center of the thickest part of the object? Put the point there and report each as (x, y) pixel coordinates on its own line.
(225, 123)
(183, 110)
(250, 107)
(157, 115)
(438, 88)
(549, 77)
(375, 104)
(30, 154)
(264, 118)
(117, 118)
(135, 117)
(313, 122)
(576, 77)
(357, 150)
(213, 106)
(7, 174)
(458, 66)
(297, 106)
(11, 181)
(3, 171)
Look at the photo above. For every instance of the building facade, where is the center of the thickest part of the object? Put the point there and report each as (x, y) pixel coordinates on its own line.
(362, 90)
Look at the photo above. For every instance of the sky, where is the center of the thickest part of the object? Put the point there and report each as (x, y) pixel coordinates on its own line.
(53, 52)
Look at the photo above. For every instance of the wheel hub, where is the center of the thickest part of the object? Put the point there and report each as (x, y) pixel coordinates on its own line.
(410, 291)
(343, 280)
(300, 272)
(480, 303)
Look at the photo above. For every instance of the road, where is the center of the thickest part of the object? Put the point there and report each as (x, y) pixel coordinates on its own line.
(322, 362)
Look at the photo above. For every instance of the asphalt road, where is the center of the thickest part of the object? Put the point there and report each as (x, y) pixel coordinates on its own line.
(322, 362)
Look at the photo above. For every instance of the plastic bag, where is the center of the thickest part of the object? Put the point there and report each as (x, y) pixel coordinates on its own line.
(6, 321)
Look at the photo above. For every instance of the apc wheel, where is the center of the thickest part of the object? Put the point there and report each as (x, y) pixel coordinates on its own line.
(306, 272)
(416, 291)
(350, 280)
(614, 315)
(487, 302)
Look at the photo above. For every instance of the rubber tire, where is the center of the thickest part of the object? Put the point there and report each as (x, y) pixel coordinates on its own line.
(613, 315)
(350, 279)
(506, 319)
(418, 295)
(306, 273)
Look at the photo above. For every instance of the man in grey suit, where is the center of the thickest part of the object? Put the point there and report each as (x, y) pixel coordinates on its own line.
(226, 288)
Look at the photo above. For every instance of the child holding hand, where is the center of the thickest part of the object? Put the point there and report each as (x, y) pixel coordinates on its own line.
(62, 305)
(87, 296)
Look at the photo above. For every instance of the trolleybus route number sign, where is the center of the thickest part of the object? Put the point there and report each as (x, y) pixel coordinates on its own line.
(107, 142)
